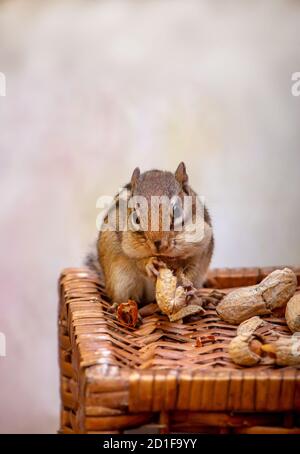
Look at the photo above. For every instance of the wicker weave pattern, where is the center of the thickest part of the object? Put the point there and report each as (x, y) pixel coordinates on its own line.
(114, 377)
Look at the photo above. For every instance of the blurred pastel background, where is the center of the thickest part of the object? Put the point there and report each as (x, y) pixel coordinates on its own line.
(95, 88)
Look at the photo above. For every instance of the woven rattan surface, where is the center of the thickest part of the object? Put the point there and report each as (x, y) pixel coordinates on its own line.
(113, 377)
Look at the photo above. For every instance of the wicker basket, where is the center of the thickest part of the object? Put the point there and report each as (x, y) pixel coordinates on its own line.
(114, 378)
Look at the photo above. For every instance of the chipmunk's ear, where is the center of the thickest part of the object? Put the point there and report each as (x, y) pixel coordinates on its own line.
(135, 177)
(181, 175)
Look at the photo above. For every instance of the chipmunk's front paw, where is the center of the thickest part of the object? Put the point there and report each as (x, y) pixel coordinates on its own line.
(153, 266)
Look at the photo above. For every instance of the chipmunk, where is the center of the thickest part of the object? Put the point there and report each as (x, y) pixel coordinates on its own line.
(130, 259)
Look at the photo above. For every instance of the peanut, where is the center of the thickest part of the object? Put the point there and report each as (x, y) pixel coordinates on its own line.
(245, 349)
(292, 313)
(285, 351)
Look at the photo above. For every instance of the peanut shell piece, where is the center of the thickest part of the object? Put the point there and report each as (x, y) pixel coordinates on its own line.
(244, 348)
(172, 299)
(271, 293)
(127, 313)
(292, 313)
(241, 353)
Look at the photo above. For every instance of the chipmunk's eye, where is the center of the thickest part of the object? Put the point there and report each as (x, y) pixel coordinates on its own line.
(135, 222)
(176, 216)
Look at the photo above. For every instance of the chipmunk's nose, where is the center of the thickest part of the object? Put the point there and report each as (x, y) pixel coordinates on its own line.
(157, 244)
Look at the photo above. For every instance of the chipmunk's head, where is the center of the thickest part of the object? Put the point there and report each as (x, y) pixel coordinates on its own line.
(156, 215)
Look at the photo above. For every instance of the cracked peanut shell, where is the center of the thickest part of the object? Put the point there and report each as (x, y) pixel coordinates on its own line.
(285, 351)
(270, 294)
